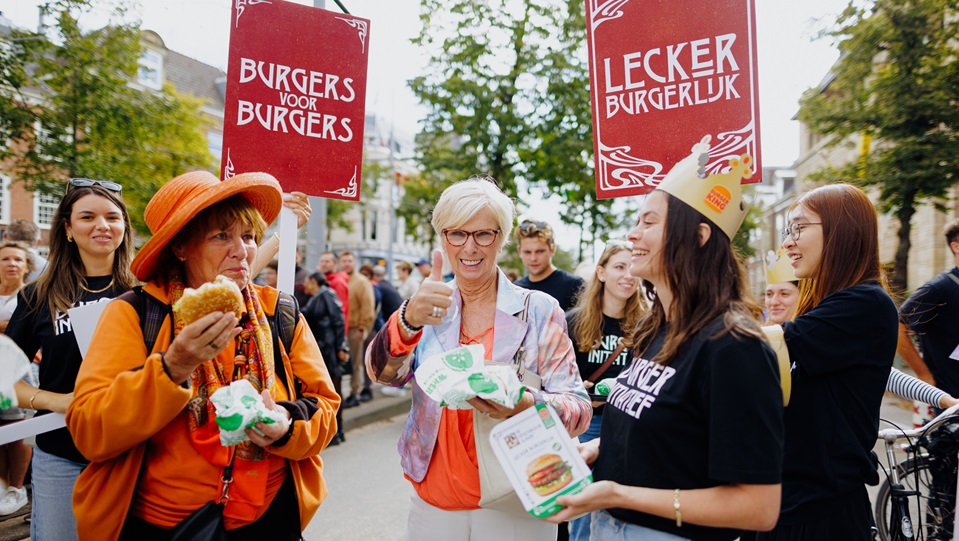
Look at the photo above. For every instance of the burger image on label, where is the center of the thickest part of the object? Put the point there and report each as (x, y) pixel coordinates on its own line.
(548, 473)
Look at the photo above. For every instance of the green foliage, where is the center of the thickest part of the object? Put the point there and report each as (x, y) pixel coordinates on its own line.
(75, 85)
(508, 96)
(896, 84)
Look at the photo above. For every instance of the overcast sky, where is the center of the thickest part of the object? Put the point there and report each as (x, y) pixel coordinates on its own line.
(789, 60)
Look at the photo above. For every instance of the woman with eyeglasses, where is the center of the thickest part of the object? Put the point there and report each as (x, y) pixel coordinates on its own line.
(841, 343)
(438, 448)
(91, 246)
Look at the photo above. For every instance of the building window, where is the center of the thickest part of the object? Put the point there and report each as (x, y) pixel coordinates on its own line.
(150, 73)
(44, 206)
(214, 143)
(44, 140)
(5, 203)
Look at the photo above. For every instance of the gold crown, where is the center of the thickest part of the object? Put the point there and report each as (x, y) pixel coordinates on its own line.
(778, 268)
(718, 197)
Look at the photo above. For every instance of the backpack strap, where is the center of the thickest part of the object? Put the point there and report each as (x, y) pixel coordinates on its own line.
(283, 323)
(151, 311)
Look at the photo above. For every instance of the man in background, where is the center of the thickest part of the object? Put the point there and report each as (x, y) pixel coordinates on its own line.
(536, 246)
(360, 321)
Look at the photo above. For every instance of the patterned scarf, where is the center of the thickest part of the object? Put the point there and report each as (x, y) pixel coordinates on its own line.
(252, 361)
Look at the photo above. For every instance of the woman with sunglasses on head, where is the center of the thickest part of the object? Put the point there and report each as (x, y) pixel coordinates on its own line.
(841, 342)
(439, 446)
(691, 441)
(91, 246)
(601, 326)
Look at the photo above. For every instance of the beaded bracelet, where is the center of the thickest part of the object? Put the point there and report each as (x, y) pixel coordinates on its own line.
(405, 325)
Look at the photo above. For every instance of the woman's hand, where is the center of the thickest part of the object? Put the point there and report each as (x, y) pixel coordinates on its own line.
(589, 451)
(198, 342)
(270, 432)
(300, 205)
(498, 411)
(428, 305)
(598, 495)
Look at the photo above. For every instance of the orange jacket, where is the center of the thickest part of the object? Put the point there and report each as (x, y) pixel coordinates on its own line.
(123, 398)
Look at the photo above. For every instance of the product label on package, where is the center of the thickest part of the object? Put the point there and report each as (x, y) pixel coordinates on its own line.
(540, 459)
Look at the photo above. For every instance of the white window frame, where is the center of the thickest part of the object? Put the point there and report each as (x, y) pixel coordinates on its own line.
(6, 205)
(43, 203)
(150, 70)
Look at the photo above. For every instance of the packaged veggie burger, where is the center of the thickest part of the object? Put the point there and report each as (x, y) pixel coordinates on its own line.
(238, 407)
(455, 376)
(540, 459)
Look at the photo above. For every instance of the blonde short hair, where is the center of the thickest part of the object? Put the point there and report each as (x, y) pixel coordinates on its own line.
(466, 198)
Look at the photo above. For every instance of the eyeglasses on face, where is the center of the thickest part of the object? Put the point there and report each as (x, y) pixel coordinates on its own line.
(458, 237)
(87, 182)
(795, 230)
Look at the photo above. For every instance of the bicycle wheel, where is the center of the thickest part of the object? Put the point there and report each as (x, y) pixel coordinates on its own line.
(933, 509)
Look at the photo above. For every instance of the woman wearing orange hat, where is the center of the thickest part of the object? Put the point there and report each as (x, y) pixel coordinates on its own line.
(144, 418)
(91, 245)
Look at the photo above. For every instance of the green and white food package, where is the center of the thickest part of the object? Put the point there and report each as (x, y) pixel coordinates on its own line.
(453, 377)
(539, 458)
(13, 366)
(238, 407)
(605, 386)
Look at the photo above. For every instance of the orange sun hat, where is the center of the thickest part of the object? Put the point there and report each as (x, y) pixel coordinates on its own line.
(181, 199)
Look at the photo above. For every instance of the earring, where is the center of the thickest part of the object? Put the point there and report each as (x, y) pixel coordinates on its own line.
(182, 258)
(69, 238)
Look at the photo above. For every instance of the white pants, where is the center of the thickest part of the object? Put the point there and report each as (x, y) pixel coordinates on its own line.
(428, 523)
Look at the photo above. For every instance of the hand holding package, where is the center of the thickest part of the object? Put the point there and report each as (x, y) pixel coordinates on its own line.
(453, 377)
(238, 407)
(13, 366)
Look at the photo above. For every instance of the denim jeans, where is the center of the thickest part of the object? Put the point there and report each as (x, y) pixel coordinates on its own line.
(579, 528)
(53, 479)
(604, 527)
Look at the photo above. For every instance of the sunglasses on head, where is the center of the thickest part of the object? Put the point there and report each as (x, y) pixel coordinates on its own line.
(87, 182)
(529, 227)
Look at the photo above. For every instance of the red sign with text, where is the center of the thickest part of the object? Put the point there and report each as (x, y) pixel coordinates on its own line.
(296, 97)
(664, 73)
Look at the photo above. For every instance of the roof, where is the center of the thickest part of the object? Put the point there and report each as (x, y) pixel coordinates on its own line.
(191, 76)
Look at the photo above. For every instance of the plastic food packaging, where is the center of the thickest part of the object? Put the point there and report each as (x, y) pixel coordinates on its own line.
(13, 366)
(540, 459)
(238, 407)
(453, 377)
(605, 386)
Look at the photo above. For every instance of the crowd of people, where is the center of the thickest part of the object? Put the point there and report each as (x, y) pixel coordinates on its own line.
(701, 437)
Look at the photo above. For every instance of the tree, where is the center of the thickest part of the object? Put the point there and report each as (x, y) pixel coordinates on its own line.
(896, 83)
(508, 96)
(68, 107)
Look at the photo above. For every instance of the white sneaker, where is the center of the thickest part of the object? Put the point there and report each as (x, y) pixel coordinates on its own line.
(392, 391)
(13, 500)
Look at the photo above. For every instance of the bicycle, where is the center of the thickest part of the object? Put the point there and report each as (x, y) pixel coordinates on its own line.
(917, 500)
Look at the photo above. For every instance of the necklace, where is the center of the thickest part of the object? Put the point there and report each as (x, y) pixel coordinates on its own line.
(98, 290)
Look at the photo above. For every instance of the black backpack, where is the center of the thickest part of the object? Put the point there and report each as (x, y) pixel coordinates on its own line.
(283, 323)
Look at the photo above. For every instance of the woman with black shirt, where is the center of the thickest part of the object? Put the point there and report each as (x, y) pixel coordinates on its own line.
(91, 246)
(601, 325)
(691, 441)
(842, 343)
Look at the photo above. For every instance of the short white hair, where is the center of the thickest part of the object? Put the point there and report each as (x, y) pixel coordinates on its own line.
(465, 199)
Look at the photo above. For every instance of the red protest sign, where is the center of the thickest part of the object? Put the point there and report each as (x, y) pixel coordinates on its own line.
(663, 73)
(296, 97)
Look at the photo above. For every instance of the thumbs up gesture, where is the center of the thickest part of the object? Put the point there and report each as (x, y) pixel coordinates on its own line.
(429, 304)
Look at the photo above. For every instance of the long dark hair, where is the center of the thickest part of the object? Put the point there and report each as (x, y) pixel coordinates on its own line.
(706, 282)
(588, 324)
(850, 251)
(59, 285)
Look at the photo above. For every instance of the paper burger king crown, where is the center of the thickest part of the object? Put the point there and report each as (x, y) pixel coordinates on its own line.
(778, 268)
(719, 197)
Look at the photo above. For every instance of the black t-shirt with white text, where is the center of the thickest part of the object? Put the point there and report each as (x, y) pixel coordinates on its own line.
(35, 330)
(933, 313)
(590, 361)
(841, 353)
(711, 417)
(560, 285)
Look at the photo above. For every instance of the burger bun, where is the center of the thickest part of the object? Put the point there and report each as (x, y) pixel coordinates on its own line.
(220, 295)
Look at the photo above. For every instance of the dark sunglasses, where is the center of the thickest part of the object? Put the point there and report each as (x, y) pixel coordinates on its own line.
(87, 182)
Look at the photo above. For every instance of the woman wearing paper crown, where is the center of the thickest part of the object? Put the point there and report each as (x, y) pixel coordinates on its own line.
(146, 420)
(441, 449)
(691, 442)
(842, 343)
